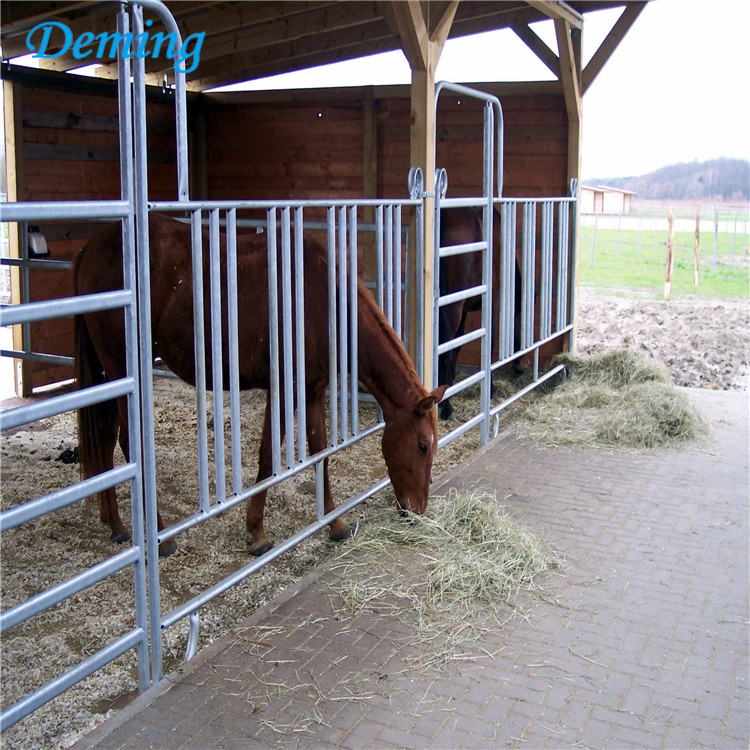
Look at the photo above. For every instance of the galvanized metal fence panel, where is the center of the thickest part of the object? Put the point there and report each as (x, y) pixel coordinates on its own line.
(556, 250)
(128, 387)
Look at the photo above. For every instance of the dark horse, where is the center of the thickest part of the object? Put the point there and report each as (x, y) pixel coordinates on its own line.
(457, 227)
(409, 438)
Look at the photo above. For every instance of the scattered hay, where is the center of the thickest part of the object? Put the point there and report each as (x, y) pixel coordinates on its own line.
(618, 398)
(455, 569)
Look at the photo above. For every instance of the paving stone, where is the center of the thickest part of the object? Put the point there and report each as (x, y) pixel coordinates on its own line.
(642, 640)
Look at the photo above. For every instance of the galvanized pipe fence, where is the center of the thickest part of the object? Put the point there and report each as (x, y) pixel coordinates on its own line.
(221, 482)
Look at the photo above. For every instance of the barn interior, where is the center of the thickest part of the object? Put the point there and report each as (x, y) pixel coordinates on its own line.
(61, 130)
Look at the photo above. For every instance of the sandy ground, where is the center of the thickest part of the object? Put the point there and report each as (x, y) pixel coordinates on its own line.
(704, 343)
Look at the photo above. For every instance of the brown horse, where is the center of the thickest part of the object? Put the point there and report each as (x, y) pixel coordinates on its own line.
(409, 438)
(457, 227)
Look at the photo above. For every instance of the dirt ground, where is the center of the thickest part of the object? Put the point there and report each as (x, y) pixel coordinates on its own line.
(704, 343)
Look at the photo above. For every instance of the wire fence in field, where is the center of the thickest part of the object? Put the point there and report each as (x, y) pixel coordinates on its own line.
(711, 245)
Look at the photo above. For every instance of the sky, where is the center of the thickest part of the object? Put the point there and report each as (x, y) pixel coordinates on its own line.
(676, 89)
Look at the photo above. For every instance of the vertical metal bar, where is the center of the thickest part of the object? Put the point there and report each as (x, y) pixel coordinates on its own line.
(145, 350)
(286, 336)
(196, 235)
(379, 257)
(217, 364)
(343, 329)
(353, 319)
(397, 262)
(561, 316)
(299, 300)
(545, 292)
(389, 264)
(131, 348)
(319, 491)
(573, 245)
(333, 398)
(419, 250)
(507, 290)
(234, 352)
(273, 342)
(527, 277)
(486, 345)
(436, 283)
(25, 285)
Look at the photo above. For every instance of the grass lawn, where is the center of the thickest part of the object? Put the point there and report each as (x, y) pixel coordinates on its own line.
(641, 265)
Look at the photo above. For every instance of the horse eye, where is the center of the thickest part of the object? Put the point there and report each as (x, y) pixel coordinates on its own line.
(422, 447)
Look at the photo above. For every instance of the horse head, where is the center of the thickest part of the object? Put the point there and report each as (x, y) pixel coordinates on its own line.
(409, 445)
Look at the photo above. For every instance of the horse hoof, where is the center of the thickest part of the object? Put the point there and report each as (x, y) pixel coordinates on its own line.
(167, 548)
(341, 536)
(121, 538)
(261, 549)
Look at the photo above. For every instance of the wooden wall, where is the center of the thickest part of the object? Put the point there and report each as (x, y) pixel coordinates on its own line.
(307, 144)
(328, 143)
(67, 148)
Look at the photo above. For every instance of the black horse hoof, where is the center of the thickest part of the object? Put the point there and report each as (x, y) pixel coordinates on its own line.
(167, 548)
(120, 538)
(341, 536)
(260, 549)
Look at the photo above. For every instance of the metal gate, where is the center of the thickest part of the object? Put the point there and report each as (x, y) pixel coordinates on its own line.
(502, 335)
(396, 251)
(132, 472)
(283, 224)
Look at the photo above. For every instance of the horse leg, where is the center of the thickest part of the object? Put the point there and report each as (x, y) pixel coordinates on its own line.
(257, 504)
(452, 320)
(168, 546)
(316, 441)
(106, 440)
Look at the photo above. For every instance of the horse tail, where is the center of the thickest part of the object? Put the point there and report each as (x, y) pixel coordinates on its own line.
(98, 423)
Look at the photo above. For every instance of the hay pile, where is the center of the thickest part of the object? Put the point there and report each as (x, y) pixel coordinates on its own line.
(453, 573)
(617, 398)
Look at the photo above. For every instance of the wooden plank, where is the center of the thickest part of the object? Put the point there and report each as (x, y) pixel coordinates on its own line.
(611, 42)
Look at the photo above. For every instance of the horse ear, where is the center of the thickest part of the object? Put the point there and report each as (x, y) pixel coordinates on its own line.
(425, 404)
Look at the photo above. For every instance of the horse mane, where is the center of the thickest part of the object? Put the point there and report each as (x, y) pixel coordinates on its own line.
(384, 329)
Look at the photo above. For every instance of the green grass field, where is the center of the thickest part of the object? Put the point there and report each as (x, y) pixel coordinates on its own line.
(632, 265)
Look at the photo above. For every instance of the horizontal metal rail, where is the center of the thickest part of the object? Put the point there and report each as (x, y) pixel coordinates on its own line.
(462, 294)
(33, 509)
(72, 677)
(468, 247)
(39, 211)
(51, 407)
(33, 312)
(229, 502)
(467, 338)
(38, 264)
(49, 359)
(196, 602)
(72, 586)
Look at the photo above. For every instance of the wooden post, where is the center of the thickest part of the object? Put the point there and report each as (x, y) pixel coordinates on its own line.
(670, 256)
(422, 42)
(697, 244)
(12, 107)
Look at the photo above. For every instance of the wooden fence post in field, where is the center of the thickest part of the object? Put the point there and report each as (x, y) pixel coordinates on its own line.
(670, 256)
(697, 244)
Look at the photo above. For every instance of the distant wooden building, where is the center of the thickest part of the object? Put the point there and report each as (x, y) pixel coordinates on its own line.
(605, 200)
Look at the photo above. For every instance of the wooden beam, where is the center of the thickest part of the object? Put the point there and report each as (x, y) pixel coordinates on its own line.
(13, 108)
(423, 50)
(610, 44)
(529, 37)
(558, 11)
(413, 32)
